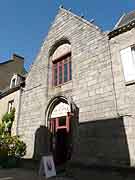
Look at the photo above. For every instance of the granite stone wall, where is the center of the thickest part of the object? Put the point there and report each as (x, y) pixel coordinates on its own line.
(98, 128)
(124, 91)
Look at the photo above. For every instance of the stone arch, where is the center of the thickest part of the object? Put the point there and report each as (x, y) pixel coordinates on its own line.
(60, 62)
(53, 102)
(62, 133)
(58, 120)
(63, 40)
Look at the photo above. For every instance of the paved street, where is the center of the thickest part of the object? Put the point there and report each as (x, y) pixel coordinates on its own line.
(91, 174)
(17, 174)
(23, 174)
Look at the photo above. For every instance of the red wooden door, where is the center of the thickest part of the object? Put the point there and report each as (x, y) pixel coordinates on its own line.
(60, 135)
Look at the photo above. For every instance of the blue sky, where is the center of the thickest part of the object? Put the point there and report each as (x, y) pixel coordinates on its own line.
(25, 23)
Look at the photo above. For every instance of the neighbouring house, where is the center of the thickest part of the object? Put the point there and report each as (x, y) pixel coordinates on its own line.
(122, 45)
(9, 68)
(11, 84)
(78, 99)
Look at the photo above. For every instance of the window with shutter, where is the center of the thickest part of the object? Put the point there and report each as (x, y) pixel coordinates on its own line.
(128, 62)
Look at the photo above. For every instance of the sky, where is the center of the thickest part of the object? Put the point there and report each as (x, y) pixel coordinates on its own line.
(24, 24)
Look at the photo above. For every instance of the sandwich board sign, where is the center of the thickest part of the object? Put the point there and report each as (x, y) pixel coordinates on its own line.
(47, 167)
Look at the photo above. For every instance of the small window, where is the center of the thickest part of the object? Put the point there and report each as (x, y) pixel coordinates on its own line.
(62, 121)
(62, 70)
(13, 83)
(10, 105)
(128, 62)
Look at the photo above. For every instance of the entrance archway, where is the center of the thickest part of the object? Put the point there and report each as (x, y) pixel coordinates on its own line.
(59, 125)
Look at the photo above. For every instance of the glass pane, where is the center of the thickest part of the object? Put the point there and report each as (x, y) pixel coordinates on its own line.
(70, 71)
(10, 105)
(65, 72)
(133, 55)
(62, 121)
(13, 83)
(60, 72)
(55, 75)
(127, 62)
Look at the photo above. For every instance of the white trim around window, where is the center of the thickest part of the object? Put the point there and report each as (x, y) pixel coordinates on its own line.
(128, 63)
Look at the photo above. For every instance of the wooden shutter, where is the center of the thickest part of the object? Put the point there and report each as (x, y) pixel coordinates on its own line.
(128, 64)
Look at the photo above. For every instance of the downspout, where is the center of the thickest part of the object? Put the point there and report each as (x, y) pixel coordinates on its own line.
(18, 110)
(115, 96)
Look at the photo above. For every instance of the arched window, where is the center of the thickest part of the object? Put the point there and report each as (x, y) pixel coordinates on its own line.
(61, 65)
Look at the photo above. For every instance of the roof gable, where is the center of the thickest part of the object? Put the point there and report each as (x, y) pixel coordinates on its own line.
(81, 18)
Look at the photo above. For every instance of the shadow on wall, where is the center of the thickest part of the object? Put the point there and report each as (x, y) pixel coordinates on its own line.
(102, 142)
(42, 143)
(74, 129)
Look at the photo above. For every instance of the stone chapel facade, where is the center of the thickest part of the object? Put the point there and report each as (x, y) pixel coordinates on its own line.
(71, 103)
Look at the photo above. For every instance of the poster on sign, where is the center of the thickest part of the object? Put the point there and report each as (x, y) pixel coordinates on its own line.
(47, 167)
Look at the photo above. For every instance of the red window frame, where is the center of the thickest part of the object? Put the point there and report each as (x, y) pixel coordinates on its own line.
(59, 70)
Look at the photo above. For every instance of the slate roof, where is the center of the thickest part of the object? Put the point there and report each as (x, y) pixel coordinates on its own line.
(15, 65)
(125, 23)
(126, 18)
(8, 91)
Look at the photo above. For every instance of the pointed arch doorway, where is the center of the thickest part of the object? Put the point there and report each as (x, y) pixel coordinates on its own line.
(59, 124)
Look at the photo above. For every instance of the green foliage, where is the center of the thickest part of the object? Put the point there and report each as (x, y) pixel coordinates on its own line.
(13, 145)
(7, 122)
(10, 146)
(2, 127)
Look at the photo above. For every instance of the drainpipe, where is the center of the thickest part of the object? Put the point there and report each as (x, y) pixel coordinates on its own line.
(18, 110)
(114, 88)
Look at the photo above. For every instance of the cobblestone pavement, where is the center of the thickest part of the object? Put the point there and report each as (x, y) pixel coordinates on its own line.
(24, 174)
(91, 174)
(105, 174)
(17, 174)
